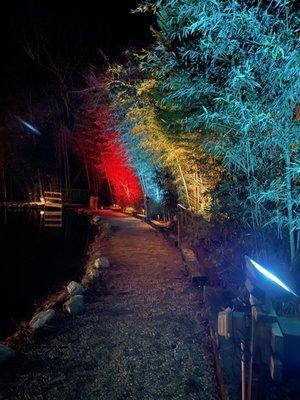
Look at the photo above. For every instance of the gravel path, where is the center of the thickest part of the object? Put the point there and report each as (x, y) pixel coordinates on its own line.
(144, 339)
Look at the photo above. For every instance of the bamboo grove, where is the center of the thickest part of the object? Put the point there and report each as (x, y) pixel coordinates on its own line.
(211, 110)
(206, 117)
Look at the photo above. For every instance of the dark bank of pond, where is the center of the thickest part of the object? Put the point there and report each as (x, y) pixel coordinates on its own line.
(36, 260)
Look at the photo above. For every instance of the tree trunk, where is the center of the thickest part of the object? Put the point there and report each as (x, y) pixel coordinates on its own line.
(289, 204)
(184, 184)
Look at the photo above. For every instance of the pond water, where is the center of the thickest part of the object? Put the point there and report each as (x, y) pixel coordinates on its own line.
(36, 260)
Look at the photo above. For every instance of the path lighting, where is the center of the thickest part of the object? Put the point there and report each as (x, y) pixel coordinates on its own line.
(262, 283)
(266, 339)
(266, 274)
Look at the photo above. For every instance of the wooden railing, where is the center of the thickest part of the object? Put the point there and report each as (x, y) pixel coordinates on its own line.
(53, 199)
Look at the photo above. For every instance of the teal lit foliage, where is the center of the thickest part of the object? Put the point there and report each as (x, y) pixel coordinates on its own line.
(232, 70)
(143, 164)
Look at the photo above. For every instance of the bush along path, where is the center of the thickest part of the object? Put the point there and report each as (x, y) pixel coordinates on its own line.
(143, 336)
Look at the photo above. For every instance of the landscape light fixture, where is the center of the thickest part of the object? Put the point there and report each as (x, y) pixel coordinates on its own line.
(267, 274)
(268, 339)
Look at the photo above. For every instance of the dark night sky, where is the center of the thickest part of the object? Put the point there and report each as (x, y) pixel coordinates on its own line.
(68, 29)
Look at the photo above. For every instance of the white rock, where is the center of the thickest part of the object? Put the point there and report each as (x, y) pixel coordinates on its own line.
(74, 305)
(75, 288)
(6, 353)
(102, 262)
(41, 319)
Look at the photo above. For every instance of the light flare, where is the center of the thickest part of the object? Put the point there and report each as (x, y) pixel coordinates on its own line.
(30, 127)
(271, 276)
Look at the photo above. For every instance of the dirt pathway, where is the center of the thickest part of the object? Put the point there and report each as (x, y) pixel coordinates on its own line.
(144, 339)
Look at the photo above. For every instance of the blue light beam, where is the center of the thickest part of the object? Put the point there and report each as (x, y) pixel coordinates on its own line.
(31, 128)
(271, 276)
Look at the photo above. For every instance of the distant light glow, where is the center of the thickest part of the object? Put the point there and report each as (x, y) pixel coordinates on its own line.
(121, 175)
(271, 276)
(108, 156)
(42, 212)
(29, 126)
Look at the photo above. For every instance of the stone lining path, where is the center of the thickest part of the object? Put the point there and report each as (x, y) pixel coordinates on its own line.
(143, 339)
